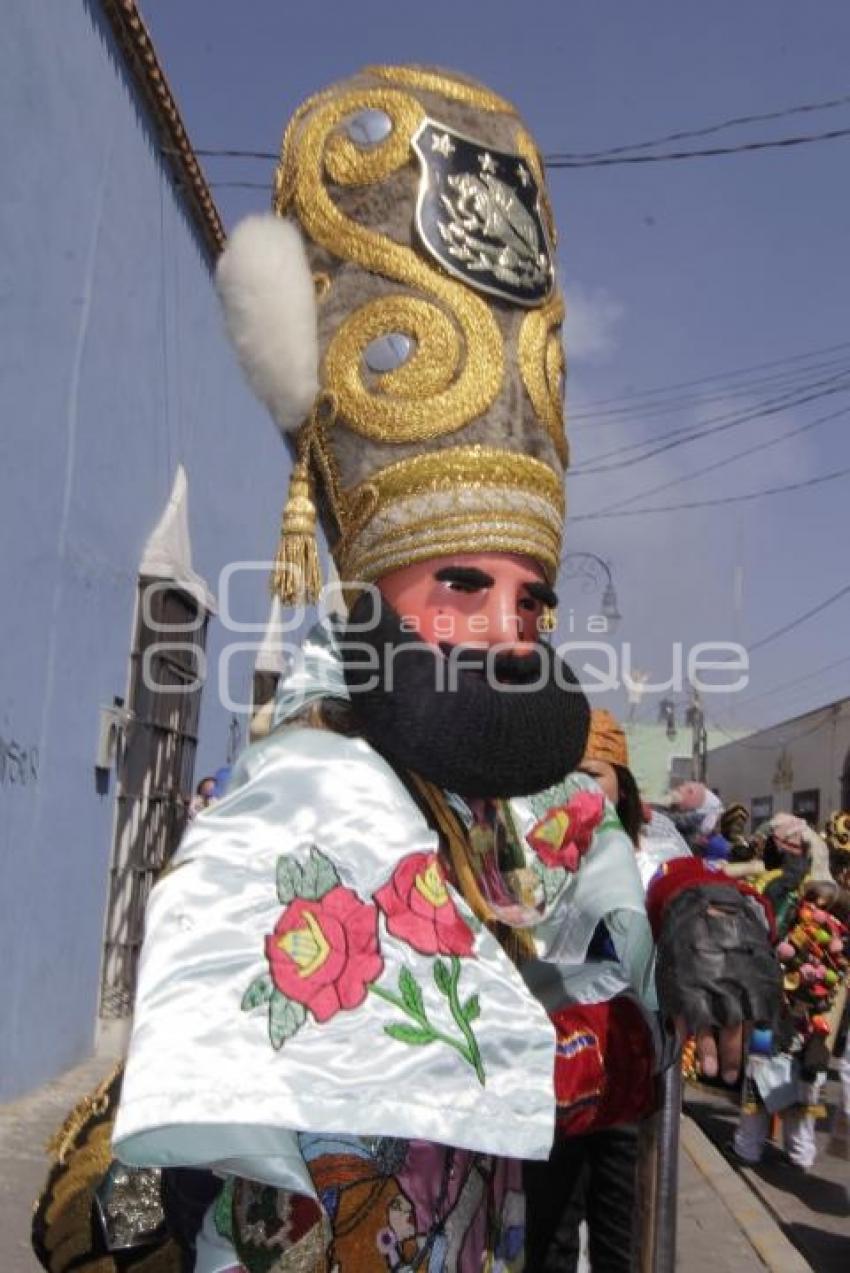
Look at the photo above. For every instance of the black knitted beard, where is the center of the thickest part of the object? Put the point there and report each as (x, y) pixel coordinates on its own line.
(473, 738)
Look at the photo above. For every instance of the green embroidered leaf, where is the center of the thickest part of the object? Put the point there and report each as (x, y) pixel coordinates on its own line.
(259, 992)
(409, 1033)
(289, 880)
(471, 1009)
(285, 1018)
(411, 993)
(319, 875)
(442, 976)
(223, 1210)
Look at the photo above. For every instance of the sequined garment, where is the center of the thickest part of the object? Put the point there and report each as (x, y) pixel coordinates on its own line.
(384, 1204)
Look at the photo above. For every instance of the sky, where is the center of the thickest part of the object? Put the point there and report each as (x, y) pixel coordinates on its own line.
(674, 272)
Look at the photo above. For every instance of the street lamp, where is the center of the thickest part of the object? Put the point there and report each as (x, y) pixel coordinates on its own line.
(593, 570)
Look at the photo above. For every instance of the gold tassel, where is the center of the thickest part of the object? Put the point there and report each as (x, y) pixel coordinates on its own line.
(296, 578)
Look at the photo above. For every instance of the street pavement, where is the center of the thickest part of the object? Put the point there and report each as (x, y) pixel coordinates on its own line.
(724, 1225)
(812, 1208)
(25, 1127)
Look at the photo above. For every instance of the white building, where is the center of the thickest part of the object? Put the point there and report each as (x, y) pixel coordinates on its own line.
(800, 766)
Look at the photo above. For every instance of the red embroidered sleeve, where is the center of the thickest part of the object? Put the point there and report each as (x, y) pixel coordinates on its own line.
(604, 1066)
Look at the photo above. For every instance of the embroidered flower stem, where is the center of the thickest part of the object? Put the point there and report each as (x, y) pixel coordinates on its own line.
(463, 1015)
(410, 1002)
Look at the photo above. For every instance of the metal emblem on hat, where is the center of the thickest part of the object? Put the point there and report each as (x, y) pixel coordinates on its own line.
(478, 214)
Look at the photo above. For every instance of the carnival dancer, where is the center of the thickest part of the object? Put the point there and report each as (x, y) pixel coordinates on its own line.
(363, 996)
(786, 1070)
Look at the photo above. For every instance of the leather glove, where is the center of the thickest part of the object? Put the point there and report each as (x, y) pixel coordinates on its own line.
(715, 964)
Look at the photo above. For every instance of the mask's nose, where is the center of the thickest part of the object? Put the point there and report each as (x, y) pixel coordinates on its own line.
(507, 624)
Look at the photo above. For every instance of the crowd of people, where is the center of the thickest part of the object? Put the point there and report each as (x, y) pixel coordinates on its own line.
(806, 877)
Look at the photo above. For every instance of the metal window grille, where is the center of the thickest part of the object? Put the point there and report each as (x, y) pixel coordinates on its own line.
(155, 773)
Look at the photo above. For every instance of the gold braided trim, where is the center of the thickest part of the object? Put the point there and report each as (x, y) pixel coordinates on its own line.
(526, 147)
(445, 85)
(541, 364)
(398, 409)
(322, 455)
(428, 372)
(466, 534)
(381, 533)
(351, 165)
(467, 467)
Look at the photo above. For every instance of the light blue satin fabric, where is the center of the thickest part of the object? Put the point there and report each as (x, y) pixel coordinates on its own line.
(203, 1084)
(606, 888)
(316, 673)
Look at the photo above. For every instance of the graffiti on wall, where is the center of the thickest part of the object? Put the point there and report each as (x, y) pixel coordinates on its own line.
(18, 764)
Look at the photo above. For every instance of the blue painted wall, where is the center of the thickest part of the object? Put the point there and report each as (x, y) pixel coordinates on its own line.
(113, 368)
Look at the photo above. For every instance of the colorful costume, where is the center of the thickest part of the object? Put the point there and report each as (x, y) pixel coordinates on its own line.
(364, 996)
(786, 1072)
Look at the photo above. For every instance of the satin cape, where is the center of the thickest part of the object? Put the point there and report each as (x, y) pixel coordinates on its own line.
(204, 1083)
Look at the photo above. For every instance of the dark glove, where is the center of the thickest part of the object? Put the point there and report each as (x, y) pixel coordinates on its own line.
(815, 1058)
(715, 964)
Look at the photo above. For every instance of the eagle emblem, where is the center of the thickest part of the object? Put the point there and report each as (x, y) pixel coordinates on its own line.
(478, 214)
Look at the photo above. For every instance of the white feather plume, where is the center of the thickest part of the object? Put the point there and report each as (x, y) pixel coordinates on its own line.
(266, 288)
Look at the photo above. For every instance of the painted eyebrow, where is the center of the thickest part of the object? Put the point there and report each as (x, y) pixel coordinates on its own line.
(469, 575)
(543, 593)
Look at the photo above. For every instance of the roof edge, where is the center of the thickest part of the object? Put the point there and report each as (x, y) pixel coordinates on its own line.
(135, 43)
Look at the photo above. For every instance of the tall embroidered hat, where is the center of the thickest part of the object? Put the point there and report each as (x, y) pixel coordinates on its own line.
(398, 314)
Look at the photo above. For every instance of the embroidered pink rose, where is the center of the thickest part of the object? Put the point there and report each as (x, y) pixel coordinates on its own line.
(324, 953)
(418, 908)
(562, 838)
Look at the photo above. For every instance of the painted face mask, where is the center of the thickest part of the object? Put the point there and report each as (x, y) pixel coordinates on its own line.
(449, 679)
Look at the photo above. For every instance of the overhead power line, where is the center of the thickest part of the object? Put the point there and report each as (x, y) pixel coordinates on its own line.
(795, 394)
(554, 164)
(744, 742)
(738, 398)
(708, 387)
(629, 153)
(685, 434)
(786, 687)
(710, 152)
(240, 185)
(585, 408)
(688, 505)
(686, 134)
(728, 459)
(802, 618)
(212, 153)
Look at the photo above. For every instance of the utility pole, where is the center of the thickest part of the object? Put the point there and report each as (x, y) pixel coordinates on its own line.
(699, 737)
